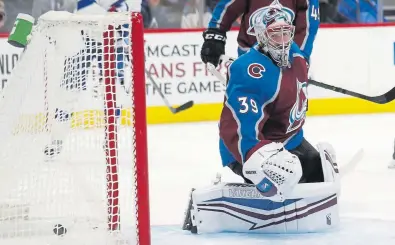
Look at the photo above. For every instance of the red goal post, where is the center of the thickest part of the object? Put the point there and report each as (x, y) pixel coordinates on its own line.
(137, 52)
(140, 125)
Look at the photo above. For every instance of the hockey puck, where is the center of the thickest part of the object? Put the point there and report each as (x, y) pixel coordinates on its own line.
(59, 230)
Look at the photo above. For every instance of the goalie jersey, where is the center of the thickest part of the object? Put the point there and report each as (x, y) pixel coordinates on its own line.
(263, 103)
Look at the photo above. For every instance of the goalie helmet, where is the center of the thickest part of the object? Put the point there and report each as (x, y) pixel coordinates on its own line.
(274, 32)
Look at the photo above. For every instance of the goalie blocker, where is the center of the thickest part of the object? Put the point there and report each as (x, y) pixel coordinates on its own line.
(240, 207)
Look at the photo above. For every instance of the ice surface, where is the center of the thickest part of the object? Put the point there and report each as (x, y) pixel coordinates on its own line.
(183, 156)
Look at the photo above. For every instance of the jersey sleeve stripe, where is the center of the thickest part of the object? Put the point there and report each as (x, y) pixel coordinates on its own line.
(257, 126)
(236, 119)
(219, 13)
(312, 25)
(306, 37)
(298, 55)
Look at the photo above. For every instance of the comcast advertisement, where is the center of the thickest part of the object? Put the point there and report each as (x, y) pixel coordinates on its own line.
(174, 62)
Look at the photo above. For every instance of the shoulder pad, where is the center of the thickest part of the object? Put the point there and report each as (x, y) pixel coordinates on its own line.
(253, 66)
(254, 72)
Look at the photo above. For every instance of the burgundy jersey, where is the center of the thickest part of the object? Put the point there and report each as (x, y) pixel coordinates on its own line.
(263, 103)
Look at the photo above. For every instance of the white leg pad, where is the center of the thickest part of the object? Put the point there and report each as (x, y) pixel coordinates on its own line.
(238, 207)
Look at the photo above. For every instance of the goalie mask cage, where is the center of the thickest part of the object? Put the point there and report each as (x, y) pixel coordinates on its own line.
(73, 134)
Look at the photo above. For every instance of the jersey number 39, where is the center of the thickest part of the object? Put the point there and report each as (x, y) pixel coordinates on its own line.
(247, 104)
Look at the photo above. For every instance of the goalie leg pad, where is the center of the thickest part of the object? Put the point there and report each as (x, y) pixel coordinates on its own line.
(239, 207)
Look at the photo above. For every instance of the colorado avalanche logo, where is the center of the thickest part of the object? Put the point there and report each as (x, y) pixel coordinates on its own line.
(256, 70)
(259, 12)
(298, 111)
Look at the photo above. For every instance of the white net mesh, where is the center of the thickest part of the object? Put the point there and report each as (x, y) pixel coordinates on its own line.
(67, 166)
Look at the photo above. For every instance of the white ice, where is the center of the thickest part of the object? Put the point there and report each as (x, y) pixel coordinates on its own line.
(182, 156)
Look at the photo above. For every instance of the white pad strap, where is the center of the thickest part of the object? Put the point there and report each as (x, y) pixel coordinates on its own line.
(329, 164)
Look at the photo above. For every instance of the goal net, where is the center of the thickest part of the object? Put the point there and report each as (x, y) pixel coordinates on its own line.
(73, 165)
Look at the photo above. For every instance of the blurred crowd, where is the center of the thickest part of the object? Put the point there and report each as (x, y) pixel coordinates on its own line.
(190, 13)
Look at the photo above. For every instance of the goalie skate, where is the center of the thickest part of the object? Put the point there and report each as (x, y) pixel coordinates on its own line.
(187, 224)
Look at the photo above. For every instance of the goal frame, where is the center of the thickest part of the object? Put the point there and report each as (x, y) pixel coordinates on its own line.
(139, 124)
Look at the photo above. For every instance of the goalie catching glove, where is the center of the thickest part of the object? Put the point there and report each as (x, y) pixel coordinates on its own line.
(274, 171)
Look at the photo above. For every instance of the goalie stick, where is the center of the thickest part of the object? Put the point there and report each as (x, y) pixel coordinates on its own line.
(174, 110)
(379, 99)
(212, 69)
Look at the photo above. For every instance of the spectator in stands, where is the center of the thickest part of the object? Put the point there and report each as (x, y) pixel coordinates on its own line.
(13, 8)
(2, 14)
(42, 6)
(197, 14)
(146, 13)
(369, 11)
(166, 13)
(328, 11)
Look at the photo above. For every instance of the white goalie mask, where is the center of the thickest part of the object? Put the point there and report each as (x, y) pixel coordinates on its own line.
(274, 33)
